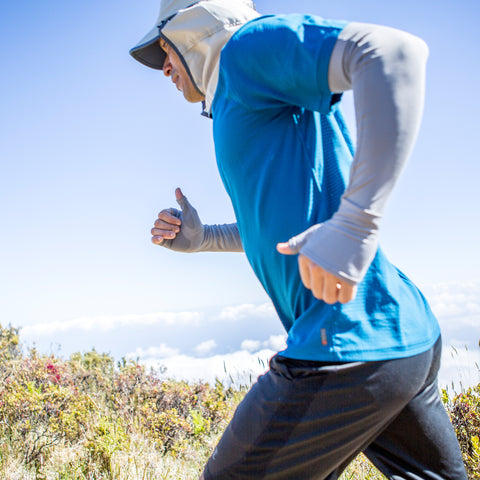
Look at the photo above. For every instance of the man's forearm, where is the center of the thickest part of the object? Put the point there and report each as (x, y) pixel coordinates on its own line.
(221, 238)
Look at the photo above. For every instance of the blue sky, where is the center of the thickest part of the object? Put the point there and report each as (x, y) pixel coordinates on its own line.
(92, 146)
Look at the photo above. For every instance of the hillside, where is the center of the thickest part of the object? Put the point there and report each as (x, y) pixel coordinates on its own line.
(90, 417)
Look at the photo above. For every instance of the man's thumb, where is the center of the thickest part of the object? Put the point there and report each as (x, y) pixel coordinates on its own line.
(178, 193)
(285, 249)
(293, 246)
(182, 200)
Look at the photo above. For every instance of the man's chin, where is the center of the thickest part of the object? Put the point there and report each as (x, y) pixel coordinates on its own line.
(193, 98)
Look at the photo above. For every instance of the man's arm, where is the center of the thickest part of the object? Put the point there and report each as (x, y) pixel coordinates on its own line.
(183, 231)
(386, 70)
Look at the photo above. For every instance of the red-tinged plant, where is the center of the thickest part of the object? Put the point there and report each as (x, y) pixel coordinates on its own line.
(464, 410)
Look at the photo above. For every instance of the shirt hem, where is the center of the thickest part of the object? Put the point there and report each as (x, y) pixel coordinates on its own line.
(360, 355)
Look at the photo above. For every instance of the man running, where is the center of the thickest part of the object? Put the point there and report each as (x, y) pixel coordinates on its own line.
(359, 373)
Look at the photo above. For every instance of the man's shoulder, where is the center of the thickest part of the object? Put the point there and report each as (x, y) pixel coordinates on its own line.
(260, 29)
(280, 60)
(278, 24)
(269, 33)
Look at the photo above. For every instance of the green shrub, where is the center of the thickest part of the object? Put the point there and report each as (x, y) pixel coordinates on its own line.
(464, 411)
(9, 344)
(106, 438)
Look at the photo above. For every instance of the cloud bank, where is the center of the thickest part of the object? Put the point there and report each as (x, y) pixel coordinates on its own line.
(238, 340)
(240, 368)
(105, 323)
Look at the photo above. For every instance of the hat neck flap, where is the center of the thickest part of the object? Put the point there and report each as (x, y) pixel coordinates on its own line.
(198, 35)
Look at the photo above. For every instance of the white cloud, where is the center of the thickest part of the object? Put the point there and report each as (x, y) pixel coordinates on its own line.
(239, 368)
(275, 343)
(237, 312)
(205, 347)
(104, 323)
(455, 300)
(162, 351)
(460, 368)
(457, 307)
(251, 345)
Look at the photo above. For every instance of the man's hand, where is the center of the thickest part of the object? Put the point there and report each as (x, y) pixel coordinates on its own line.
(179, 230)
(324, 285)
(167, 224)
(183, 231)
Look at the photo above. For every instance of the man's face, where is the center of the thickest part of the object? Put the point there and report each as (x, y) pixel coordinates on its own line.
(173, 67)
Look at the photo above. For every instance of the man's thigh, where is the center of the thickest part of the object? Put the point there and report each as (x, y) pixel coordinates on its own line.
(420, 443)
(303, 423)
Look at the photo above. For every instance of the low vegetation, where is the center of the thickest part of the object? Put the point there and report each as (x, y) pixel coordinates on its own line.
(464, 410)
(90, 417)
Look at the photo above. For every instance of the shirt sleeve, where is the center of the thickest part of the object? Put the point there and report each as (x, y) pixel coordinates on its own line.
(386, 70)
(282, 60)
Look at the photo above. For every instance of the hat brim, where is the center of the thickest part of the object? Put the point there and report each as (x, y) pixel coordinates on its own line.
(148, 51)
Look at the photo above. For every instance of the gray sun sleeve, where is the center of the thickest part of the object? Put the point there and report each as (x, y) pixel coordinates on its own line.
(385, 68)
(196, 237)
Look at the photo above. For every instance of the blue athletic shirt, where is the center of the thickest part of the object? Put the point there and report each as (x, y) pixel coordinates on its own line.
(284, 154)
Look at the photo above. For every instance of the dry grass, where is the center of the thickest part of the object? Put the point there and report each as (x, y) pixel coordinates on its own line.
(143, 462)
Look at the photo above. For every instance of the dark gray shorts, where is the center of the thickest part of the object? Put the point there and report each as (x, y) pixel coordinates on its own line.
(309, 420)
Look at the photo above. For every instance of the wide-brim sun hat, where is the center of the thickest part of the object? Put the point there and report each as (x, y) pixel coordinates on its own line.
(147, 50)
